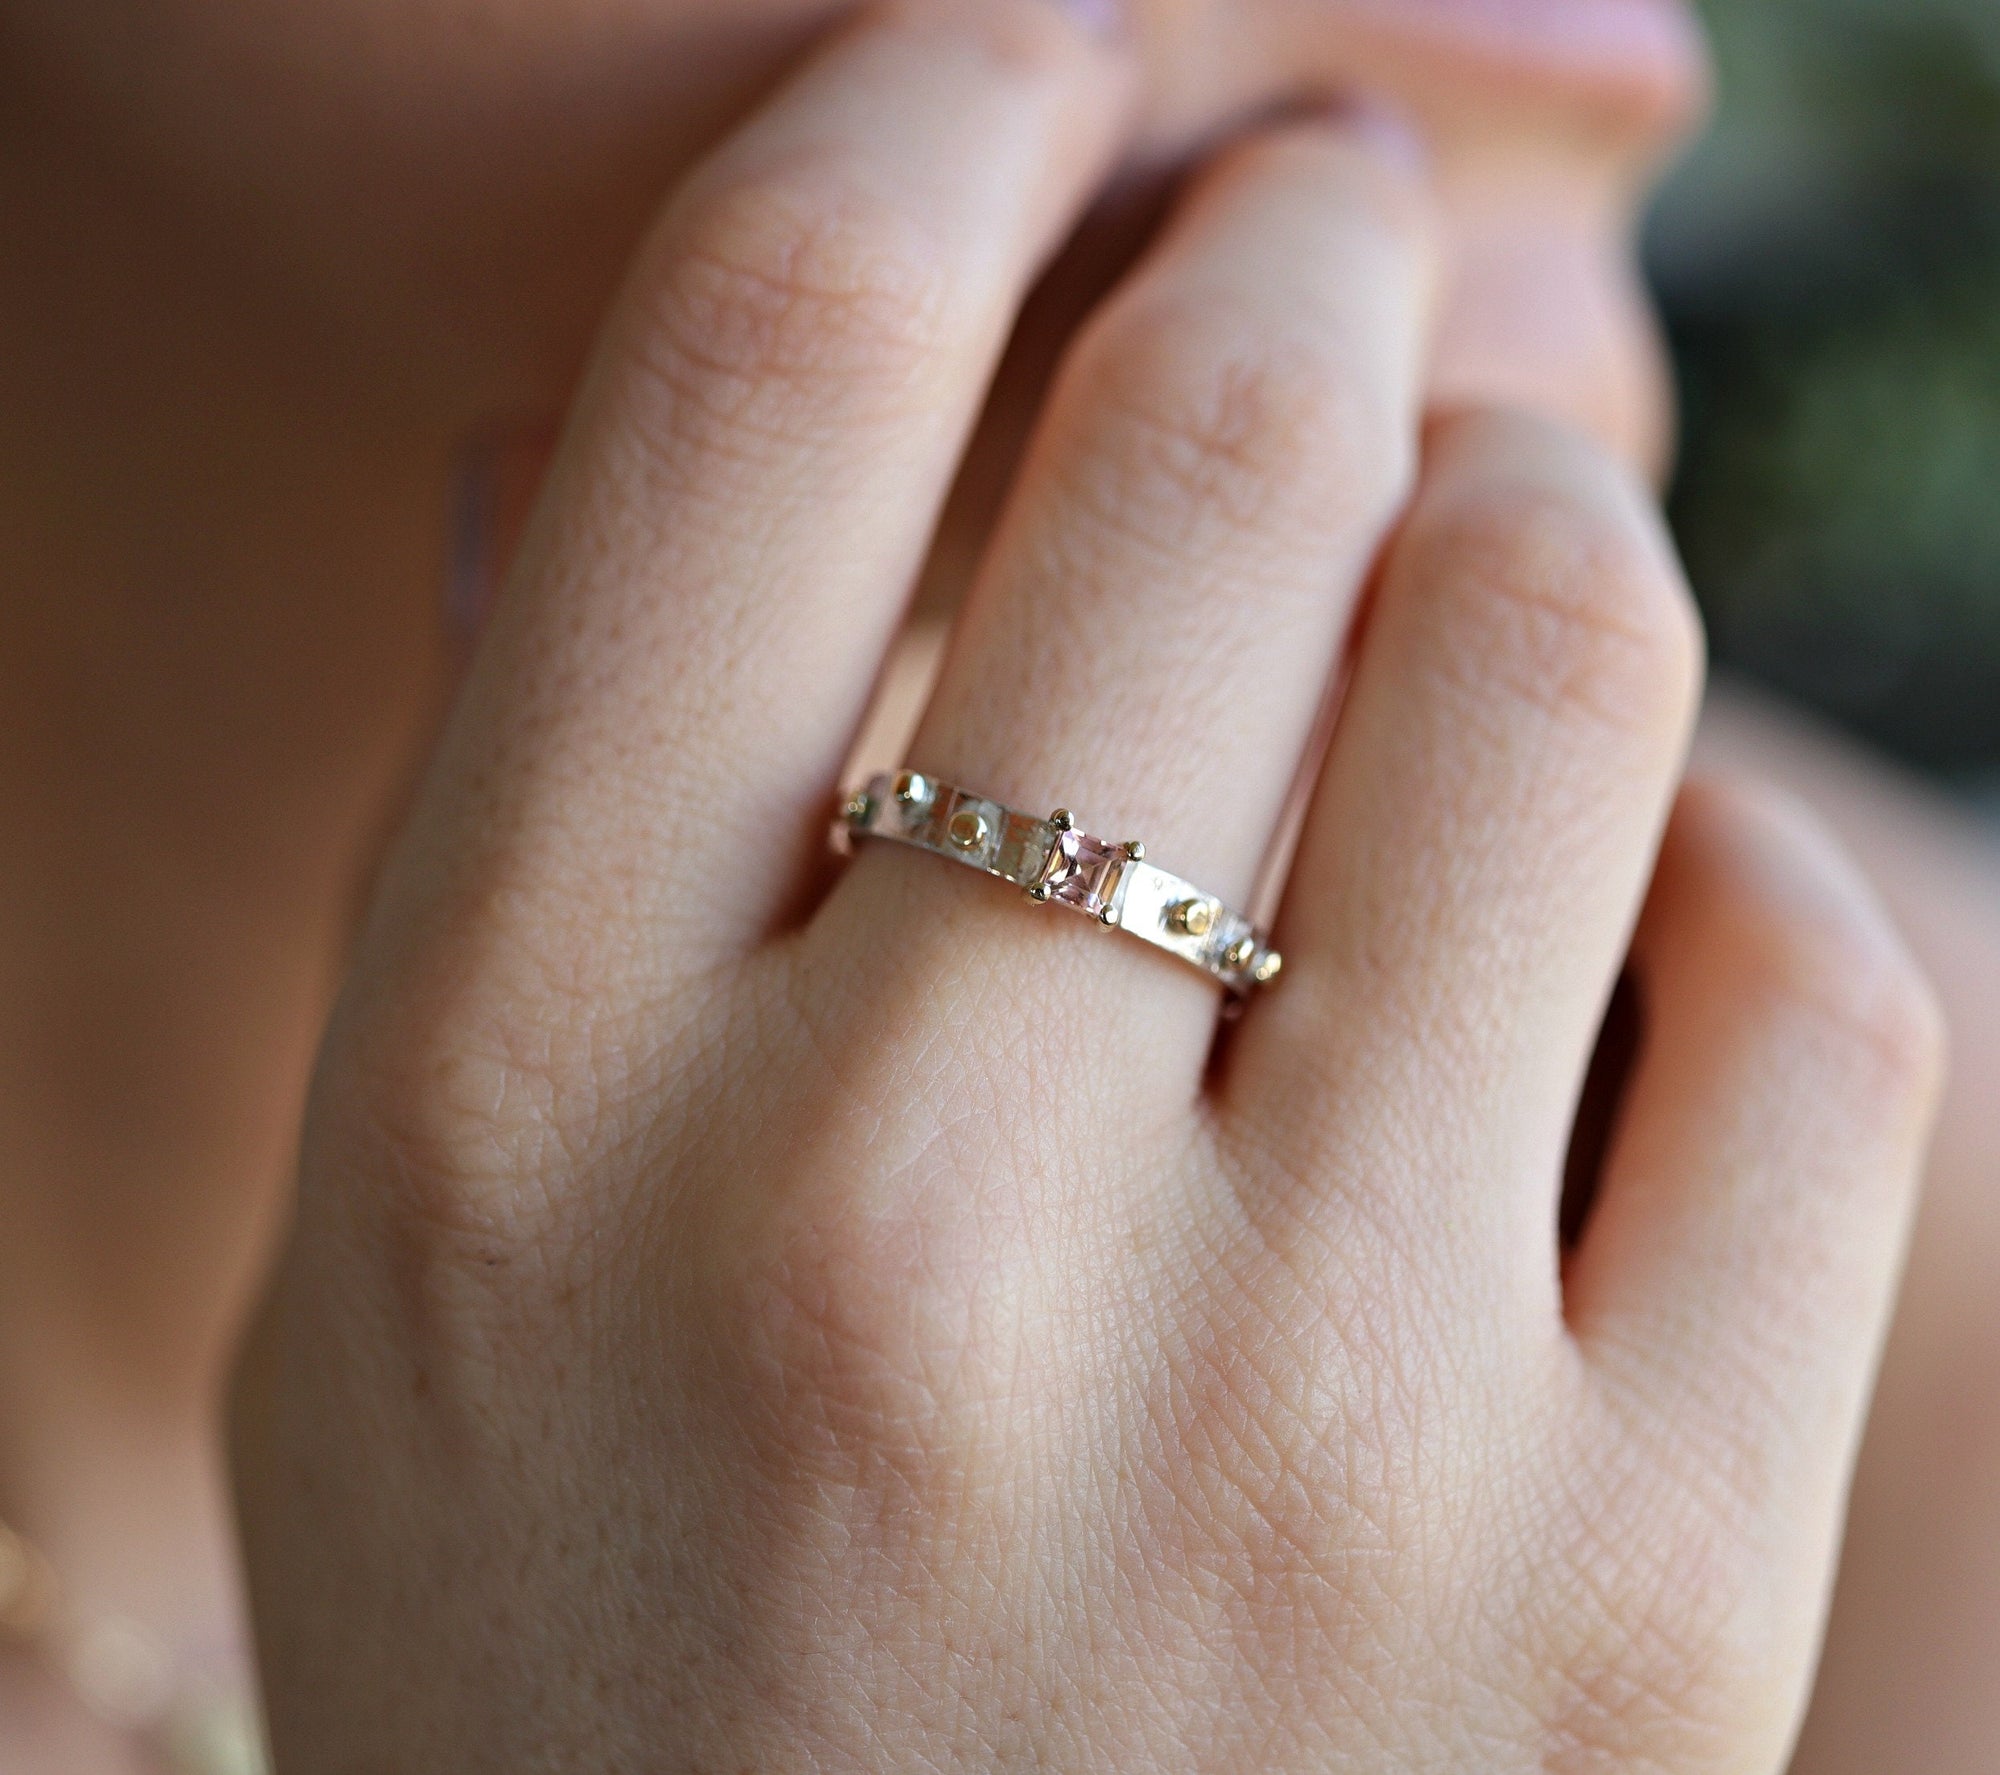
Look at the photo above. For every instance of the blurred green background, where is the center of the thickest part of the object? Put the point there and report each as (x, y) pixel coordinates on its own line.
(1829, 262)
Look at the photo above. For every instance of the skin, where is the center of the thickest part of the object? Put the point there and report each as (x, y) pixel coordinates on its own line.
(1917, 1612)
(376, 275)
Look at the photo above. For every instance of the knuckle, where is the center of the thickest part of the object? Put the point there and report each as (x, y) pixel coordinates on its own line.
(798, 286)
(1204, 409)
(1658, 1654)
(1023, 42)
(1382, 206)
(1874, 1016)
(450, 1125)
(431, 1194)
(1642, 1708)
(1563, 605)
(864, 1356)
(471, 1086)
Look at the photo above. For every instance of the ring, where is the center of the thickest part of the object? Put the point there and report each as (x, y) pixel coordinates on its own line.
(1057, 864)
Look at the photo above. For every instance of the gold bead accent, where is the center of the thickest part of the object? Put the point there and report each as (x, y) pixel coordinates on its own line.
(860, 805)
(912, 790)
(969, 830)
(1269, 968)
(1193, 918)
(1063, 820)
(1135, 852)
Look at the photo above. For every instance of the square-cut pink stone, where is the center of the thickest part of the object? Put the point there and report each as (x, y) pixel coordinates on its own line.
(1085, 872)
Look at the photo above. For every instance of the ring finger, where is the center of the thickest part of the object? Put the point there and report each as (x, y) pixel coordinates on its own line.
(1152, 636)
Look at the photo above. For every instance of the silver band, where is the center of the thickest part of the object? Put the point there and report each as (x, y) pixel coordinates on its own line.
(1057, 864)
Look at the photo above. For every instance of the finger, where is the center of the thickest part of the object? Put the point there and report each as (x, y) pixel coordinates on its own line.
(1153, 633)
(752, 472)
(1480, 839)
(1737, 1272)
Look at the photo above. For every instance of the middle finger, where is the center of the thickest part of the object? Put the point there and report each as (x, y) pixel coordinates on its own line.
(1151, 638)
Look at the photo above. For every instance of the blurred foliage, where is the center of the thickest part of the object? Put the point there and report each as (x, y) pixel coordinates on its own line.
(1829, 262)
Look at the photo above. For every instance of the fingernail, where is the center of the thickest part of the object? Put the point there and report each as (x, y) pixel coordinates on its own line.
(1103, 18)
(1386, 130)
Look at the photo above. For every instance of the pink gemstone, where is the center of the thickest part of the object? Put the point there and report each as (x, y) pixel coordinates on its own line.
(1086, 872)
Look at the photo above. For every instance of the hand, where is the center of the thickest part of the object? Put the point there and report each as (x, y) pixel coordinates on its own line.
(742, 1320)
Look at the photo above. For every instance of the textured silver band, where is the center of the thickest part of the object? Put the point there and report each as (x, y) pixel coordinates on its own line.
(1057, 864)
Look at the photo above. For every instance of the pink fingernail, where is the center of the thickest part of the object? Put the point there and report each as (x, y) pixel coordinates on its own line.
(1104, 18)
(1385, 129)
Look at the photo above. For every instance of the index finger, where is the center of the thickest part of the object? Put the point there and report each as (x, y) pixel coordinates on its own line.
(748, 484)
